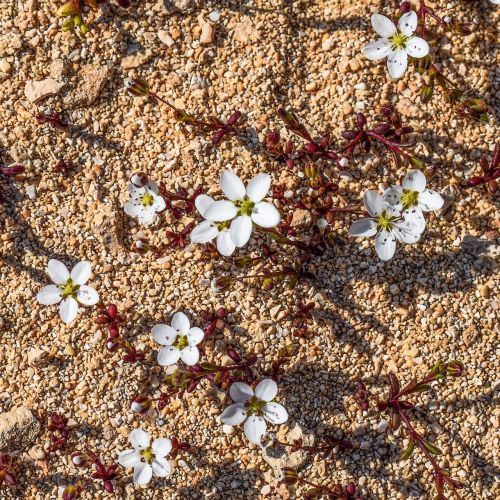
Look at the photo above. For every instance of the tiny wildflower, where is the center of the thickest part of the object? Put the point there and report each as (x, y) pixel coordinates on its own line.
(147, 460)
(386, 224)
(69, 289)
(208, 231)
(254, 408)
(244, 206)
(396, 43)
(412, 198)
(145, 202)
(180, 341)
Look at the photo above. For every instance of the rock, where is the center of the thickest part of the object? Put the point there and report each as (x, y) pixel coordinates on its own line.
(90, 85)
(165, 38)
(245, 32)
(69, 350)
(382, 425)
(207, 34)
(18, 429)
(449, 194)
(38, 90)
(280, 457)
(31, 192)
(477, 246)
(301, 218)
(10, 43)
(36, 453)
(36, 356)
(108, 226)
(394, 289)
(176, 6)
(5, 67)
(58, 68)
(137, 59)
(484, 291)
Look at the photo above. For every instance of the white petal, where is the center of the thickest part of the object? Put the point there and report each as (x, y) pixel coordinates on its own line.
(87, 295)
(392, 195)
(377, 49)
(232, 186)
(180, 322)
(417, 47)
(168, 355)
(204, 232)
(255, 428)
(195, 336)
(266, 390)
(161, 447)
(429, 200)
(143, 473)
(147, 215)
(49, 295)
(407, 23)
(405, 233)
(240, 230)
(68, 310)
(159, 204)
(374, 203)
(57, 271)
(220, 211)
(414, 181)
(385, 244)
(414, 220)
(258, 187)
(397, 62)
(163, 334)
(265, 214)
(133, 208)
(225, 244)
(234, 414)
(161, 467)
(129, 458)
(80, 274)
(275, 413)
(383, 26)
(139, 439)
(240, 392)
(190, 355)
(363, 227)
(202, 202)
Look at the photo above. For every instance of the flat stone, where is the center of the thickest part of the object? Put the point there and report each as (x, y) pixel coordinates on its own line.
(108, 225)
(301, 218)
(38, 90)
(90, 85)
(137, 59)
(10, 43)
(245, 32)
(18, 429)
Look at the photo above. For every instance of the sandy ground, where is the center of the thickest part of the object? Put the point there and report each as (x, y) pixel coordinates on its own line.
(435, 300)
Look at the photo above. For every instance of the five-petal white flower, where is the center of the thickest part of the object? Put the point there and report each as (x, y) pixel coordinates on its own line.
(386, 223)
(69, 289)
(146, 459)
(254, 408)
(145, 202)
(412, 198)
(180, 341)
(396, 43)
(207, 230)
(244, 206)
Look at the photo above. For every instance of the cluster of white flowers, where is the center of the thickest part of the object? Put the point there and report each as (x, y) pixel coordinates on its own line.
(396, 43)
(145, 458)
(397, 215)
(179, 339)
(230, 222)
(69, 289)
(145, 202)
(254, 407)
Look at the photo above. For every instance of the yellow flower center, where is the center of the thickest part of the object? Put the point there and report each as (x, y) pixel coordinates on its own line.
(409, 198)
(182, 342)
(148, 455)
(385, 221)
(255, 406)
(221, 226)
(147, 199)
(245, 206)
(69, 289)
(398, 41)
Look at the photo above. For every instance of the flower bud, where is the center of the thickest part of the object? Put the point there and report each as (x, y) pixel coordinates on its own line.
(111, 344)
(142, 246)
(454, 368)
(137, 87)
(141, 404)
(220, 284)
(290, 476)
(139, 179)
(80, 459)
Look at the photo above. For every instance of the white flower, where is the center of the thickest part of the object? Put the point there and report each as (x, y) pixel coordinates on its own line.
(207, 230)
(254, 408)
(396, 43)
(68, 288)
(244, 207)
(145, 202)
(412, 198)
(180, 341)
(386, 223)
(495, 2)
(145, 459)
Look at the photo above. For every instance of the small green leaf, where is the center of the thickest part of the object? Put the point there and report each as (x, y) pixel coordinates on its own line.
(409, 451)
(432, 449)
(267, 284)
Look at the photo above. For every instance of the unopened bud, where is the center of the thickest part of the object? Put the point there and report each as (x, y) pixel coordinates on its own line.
(290, 476)
(79, 459)
(142, 246)
(137, 87)
(454, 368)
(220, 284)
(141, 404)
(139, 179)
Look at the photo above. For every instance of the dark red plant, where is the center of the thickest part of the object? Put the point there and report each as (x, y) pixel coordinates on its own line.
(105, 473)
(7, 474)
(491, 172)
(9, 171)
(179, 203)
(63, 167)
(215, 321)
(59, 431)
(54, 118)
